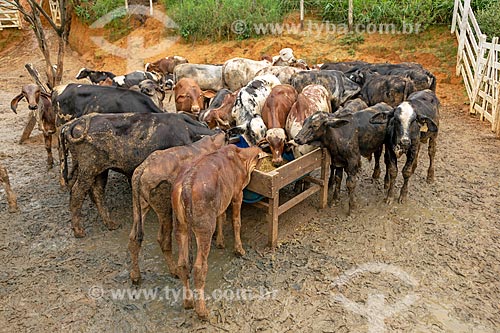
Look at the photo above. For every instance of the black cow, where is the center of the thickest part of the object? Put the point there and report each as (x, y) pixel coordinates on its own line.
(390, 89)
(94, 76)
(338, 85)
(405, 132)
(136, 77)
(351, 106)
(347, 138)
(75, 100)
(215, 103)
(421, 77)
(120, 142)
(343, 66)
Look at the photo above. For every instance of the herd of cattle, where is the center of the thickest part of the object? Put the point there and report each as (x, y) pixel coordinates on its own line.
(176, 159)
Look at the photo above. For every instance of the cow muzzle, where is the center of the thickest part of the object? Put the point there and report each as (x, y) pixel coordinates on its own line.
(33, 107)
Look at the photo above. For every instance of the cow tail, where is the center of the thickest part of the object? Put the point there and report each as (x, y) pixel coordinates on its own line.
(82, 137)
(63, 155)
(181, 207)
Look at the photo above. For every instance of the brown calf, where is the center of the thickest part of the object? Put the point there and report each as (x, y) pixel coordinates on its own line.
(11, 196)
(221, 116)
(189, 97)
(40, 105)
(274, 113)
(200, 197)
(165, 65)
(151, 185)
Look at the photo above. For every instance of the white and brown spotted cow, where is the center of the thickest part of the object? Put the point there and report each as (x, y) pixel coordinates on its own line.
(248, 106)
(313, 98)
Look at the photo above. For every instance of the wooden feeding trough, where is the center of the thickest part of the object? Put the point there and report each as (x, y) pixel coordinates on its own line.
(268, 184)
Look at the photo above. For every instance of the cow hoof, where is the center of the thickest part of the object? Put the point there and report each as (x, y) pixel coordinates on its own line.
(136, 278)
(239, 252)
(113, 225)
(13, 208)
(202, 314)
(79, 233)
(220, 245)
(430, 180)
(402, 200)
(388, 201)
(188, 303)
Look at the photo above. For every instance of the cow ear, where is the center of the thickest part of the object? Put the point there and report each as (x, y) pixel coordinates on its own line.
(381, 117)
(335, 122)
(208, 93)
(15, 101)
(431, 125)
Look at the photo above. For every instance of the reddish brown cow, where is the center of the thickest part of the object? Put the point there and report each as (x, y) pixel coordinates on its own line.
(274, 113)
(200, 197)
(11, 196)
(221, 116)
(40, 105)
(151, 185)
(189, 97)
(165, 65)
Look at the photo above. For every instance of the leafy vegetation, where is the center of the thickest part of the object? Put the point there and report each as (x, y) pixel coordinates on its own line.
(214, 19)
(488, 20)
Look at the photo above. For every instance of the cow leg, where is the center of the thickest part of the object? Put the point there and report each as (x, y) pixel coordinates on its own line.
(203, 241)
(387, 162)
(219, 241)
(183, 267)
(415, 162)
(77, 196)
(339, 174)
(98, 194)
(28, 129)
(376, 170)
(11, 196)
(164, 212)
(237, 201)
(432, 153)
(407, 172)
(135, 239)
(48, 147)
(351, 187)
(393, 173)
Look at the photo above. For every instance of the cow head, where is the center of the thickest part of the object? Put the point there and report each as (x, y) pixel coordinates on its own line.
(403, 126)
(251, 157)
(83, 73)
(40, 103)
(276, 138)
(256, 129)
(315, 126)
(189, 97)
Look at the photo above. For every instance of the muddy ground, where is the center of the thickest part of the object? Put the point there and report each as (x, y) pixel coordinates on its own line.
(430, 265)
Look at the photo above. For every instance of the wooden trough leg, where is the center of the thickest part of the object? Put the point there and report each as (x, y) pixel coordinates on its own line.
(325, 166)
(272, 218)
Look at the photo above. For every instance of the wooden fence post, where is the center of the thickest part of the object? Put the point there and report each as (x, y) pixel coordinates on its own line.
(479, 72)
(454, 19)
(463, 35)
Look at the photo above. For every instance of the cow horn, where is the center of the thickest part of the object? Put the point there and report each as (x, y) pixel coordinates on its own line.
(293, 143)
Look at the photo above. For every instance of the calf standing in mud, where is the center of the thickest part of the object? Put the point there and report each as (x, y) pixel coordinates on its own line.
(151, 186)
(405, 132)
(200, 196)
